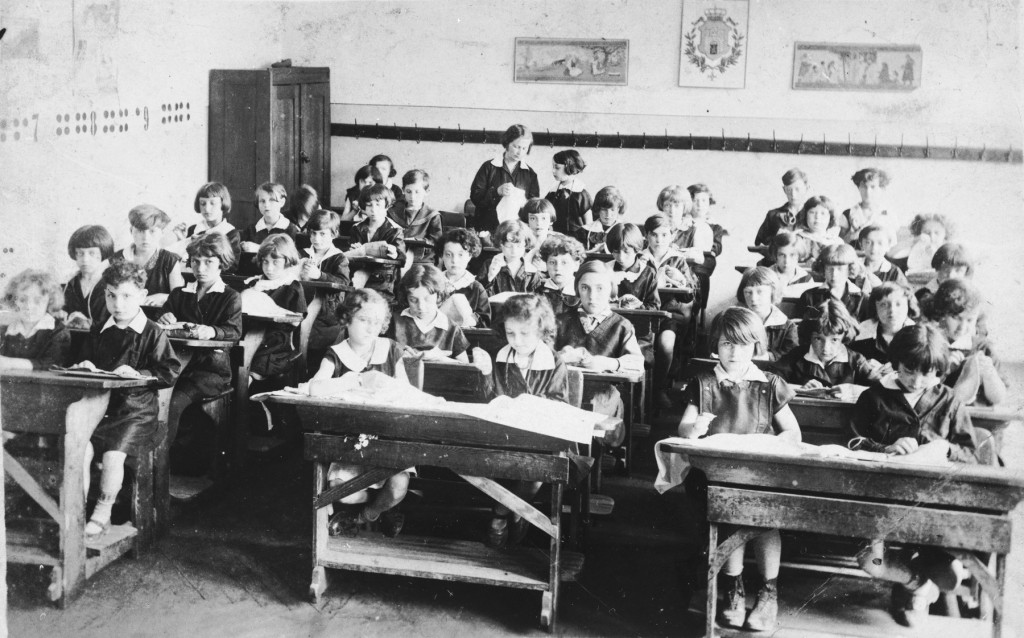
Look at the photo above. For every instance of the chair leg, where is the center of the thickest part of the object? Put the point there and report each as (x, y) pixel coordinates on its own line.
(142, 503)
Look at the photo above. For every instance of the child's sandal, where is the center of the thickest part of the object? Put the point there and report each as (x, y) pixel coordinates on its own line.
(95, 529)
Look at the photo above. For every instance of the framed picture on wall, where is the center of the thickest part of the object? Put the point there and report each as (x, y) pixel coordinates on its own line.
(856, 67)
(713, 51)
(572, 61)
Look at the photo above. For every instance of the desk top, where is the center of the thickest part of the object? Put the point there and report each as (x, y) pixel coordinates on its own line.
(289, 319)
(980, 487)
(212, 344)
(375, 260)
(642, 312)
(325, 285)
(40, 377)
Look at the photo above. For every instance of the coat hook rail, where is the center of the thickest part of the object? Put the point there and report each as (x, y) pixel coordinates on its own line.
(687, 141)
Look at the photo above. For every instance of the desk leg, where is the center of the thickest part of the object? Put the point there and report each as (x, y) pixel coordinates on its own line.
(712, 579)
(81, 419)
(629, 403)
(997, 613)
(250, 342)
(318, 583)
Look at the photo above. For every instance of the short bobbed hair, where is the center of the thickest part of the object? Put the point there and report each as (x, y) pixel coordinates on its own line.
(741, 326)
(368, 171)
(621, 236)
(814, 202)
(374, 193)
(211, 244)
(794, 175)
(654, 222)
(609, 197)
(828, 319)
(874, 228)
(45, 281)
(953, 255)
(273, 188)
(424, 276)
(147, 216)
(675, 193)
(888, 289)
(921, 347)
(278, 245)
(210, 190)
(838, 255)
(696, 189)
(571, 160)
(92, 236)
(759, 276)
(538, 206)
(917, 225)
(528, 308)
(358, 299)
(325, 219)
(785, 239)
(417, 175)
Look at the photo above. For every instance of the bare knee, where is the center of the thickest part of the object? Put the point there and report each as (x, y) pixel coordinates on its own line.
(398, 484)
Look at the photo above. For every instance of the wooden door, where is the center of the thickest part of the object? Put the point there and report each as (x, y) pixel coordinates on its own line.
(284, 135)
(315, 151)
(239, 147)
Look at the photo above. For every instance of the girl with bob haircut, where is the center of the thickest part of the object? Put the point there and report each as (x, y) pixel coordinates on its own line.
(823, 359)
(386, 167)
(502, 176)
(277, 258)
(163, 268)
(889, 308)
(422, 326)
(910, 408)
(738, 398)
(785, 256)
(365, 177)
(570, 198)
(608, 210)
(35, 340)
(511, 270)
(761, 292)
(839, 265)
(871, 182)
(91, 247)
(817, 226)
(527, 365)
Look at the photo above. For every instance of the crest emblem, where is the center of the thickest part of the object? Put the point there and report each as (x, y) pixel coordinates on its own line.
(714, 43)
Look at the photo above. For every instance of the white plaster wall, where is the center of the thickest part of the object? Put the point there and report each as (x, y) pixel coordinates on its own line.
(162, 54)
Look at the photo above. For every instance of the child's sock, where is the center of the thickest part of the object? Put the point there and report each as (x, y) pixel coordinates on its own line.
(100, 514)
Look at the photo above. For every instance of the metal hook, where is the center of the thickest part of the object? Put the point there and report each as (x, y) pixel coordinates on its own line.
(463, 142)
(691, 141)
(440, 134)
(849, 144)
(748, 143)
(619, 135)
(1009, 153)
(573, 133)
(775, 144)
(899, 151)
(419, 136)
(668, 142)
(644, 147)
(982, 156)
(398, 131)
(800, 146)
(926, 147)
(376, 128)
(551, 140)
(597, 140)
(875, 151)
(485, 136)
(956, 143)
(723, 139)
(824, 145)
(356, 127)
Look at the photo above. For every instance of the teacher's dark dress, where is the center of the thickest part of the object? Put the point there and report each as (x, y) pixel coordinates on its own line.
(484, 190)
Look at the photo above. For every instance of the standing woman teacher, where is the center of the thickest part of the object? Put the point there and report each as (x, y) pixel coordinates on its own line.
(501, 177)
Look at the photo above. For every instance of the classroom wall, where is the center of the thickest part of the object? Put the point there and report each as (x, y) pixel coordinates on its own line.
(135, 61)
(449, 63)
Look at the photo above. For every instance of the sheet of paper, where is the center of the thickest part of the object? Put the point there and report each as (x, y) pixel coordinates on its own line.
(535, 414)
(260, 304)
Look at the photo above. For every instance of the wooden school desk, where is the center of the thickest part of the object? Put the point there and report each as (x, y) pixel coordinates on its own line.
(963, 509)
(630, 384)
(480, 451)
(827, 420)
(68, 408)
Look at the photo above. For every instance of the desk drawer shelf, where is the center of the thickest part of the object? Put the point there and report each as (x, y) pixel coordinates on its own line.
(446, 559)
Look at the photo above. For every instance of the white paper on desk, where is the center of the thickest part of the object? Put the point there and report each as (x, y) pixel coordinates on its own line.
(674, 466)
(371, 387)
(502, 297)
(535, 414)
(510, 205)
(255, 302)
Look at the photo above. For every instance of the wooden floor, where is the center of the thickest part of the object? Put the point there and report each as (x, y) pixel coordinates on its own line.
(239, 566)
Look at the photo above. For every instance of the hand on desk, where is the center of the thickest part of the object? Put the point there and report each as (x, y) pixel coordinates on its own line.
(156, 300)
(482, 361)
(126, 371)
(203, 332)
(813, 384)
(903, 445)
(88, 365)
(249, 247)
(167, 318)
(630, 302)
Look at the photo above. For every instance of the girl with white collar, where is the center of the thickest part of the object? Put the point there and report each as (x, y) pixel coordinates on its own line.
(35, 340)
